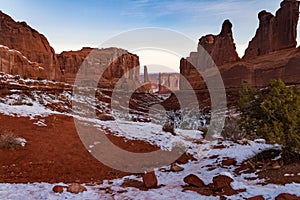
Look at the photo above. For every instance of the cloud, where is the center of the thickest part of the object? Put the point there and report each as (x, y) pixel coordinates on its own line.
(189, 8)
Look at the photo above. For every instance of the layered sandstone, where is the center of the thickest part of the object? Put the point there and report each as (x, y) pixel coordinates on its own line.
(217, 48)
(115, 64)
(275, 32)
(221, 47)
(26, 52)
(33, 45)
(272, 54)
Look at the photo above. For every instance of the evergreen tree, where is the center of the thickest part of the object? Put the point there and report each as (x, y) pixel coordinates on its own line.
(274, 116)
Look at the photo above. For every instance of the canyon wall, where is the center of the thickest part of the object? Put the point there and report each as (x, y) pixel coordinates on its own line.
(275, 32)
(272, 54)
(221, 48)
(33, 45)
(25, 52)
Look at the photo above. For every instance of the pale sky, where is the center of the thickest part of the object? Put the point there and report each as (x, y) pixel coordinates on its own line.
(70, 25)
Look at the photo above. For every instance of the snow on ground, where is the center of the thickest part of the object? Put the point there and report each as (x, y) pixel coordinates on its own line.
(32, 111)
(171, 182)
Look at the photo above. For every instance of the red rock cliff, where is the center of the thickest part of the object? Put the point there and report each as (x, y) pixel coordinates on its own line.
(272, 54)
(118, 62)
(33, 45)
(275, 32)
(26, 52)
(221, 47)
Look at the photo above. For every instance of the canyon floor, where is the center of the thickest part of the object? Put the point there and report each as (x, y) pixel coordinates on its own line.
(53, 154)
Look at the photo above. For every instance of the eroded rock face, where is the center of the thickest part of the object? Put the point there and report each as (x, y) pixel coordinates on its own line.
(14, 62)
(26, 52)
(112, 63)
(272, 54)
(33, 45)
(218, 48)
(221, 47)
(275, 32)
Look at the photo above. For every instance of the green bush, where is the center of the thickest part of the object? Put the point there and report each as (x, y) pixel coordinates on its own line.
(275, 115)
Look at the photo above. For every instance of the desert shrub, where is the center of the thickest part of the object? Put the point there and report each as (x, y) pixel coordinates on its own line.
(275, 116)
(231, 130)
(17, 77)
(8, 141)
(168, 127)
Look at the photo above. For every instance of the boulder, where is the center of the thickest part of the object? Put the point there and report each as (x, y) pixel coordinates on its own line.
(228, 161)
(222, 182)
(150, 180)
(193, 180)
(76, 188)
(286, 196)
(58, 188)
(260, 197)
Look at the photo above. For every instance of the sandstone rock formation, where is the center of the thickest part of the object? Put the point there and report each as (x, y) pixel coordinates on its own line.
(26, 52)
(33, 45)
(118, 63)
(146, 75)
(272, 54)
(221, 47)
(167, 81)
(275, 32)
(14, 62)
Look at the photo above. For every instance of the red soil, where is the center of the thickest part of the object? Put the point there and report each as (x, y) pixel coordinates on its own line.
(55, 153)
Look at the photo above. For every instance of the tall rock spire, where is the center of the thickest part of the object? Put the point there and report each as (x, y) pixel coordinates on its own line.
(146, 75)
(275, 32)
(221, 47)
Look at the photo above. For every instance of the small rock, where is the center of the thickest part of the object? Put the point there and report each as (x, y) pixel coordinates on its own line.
(176, 168)
(106, 117)
(150, 180)
(58, 189)
(220, 182)
(260, 197)
(193, 180)
(220, 146)
(228, 161)
(276, 165)
(184, 158)
(76, 188)
(244, 141)
(286, 196)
